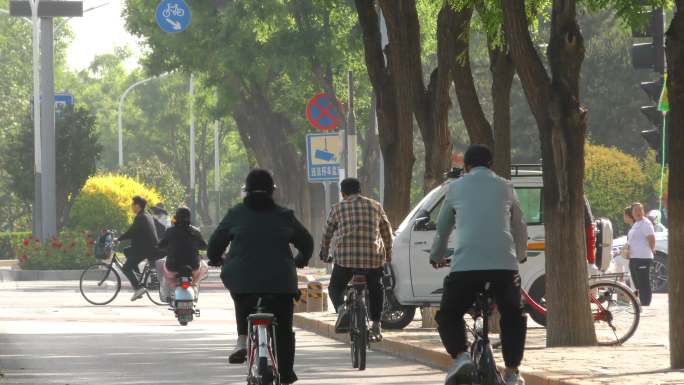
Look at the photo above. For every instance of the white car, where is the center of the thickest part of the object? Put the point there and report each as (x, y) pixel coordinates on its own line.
(417, 284)
(659, 266)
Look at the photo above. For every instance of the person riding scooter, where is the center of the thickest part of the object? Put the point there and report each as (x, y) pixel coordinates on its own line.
(182, 243)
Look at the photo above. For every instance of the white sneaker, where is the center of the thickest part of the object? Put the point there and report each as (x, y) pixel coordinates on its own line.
(513, 377)
(461, 371)
(138, 294)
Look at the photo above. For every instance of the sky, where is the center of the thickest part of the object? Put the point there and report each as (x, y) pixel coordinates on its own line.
(99, 31)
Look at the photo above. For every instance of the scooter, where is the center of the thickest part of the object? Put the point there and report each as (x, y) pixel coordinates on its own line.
(184, 298)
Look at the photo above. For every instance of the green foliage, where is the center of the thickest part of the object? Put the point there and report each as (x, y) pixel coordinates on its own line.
(71, 250)
(155, 173)
(8, 241)
(613, 180)
(104, 203)
(76, 157)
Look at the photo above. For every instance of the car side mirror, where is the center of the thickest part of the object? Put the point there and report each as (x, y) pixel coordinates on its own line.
(422, 222)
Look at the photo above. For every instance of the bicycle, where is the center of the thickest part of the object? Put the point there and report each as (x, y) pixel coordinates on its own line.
(100, 283)
(262, 348)
(486, 372)
(173, 9)
(359, 332)
(615, 309)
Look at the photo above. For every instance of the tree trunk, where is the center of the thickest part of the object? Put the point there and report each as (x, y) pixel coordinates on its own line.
(477, 125)
(562, 129)
(502, 69)
(395, 119)
(674, 49)
(203, 210)
(369, 173)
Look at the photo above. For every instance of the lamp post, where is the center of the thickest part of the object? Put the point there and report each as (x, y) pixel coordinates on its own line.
(121, 104)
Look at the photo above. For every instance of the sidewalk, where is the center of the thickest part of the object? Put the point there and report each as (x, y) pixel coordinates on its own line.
(644, 359)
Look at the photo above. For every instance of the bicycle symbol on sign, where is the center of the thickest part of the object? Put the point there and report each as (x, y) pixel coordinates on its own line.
(173, 9)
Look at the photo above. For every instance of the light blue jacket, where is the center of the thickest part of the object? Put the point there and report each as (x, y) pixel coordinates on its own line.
(490, 230)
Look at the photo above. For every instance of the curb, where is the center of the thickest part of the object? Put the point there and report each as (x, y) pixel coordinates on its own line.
(394, 346)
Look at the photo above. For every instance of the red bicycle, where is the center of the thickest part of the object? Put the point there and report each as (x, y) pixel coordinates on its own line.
(614, 306)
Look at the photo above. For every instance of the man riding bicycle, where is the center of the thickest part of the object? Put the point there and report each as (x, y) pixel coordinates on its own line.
(490, 232)
(362, 242)
(143, 237)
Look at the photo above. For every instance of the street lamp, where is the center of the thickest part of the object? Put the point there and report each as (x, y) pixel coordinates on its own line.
(121, 102)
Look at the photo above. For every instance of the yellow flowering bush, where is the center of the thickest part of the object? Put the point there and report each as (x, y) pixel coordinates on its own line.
(105, 201)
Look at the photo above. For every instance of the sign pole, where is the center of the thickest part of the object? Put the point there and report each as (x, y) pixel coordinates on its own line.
(47, 130)
(192, 144)
(37, 195)
(383, 42)
(351, 130)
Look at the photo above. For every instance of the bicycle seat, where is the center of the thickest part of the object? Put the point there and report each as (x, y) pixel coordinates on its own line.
(262, 318)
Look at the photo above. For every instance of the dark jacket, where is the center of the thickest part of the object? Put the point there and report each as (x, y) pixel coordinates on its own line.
(143, 236)
(260, 260)
(182, 246)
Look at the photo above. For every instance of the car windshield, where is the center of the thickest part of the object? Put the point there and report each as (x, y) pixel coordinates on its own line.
(427, 198)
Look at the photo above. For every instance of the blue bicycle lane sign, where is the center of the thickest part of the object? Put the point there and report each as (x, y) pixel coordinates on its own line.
(173, 15)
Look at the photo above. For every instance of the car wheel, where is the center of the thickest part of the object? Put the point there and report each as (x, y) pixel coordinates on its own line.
(537, 293)
(659, 273)
(398, 318)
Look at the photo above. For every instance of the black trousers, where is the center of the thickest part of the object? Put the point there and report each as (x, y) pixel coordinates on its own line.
(640, 270)
(341, 276)
(460, 291)
(133, 259)
(282, 307)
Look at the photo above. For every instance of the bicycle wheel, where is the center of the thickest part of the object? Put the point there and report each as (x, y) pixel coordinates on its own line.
(616, 312)
(486, 372)
(100, 284)
(361, 337)
(353, 331)
(151, 283)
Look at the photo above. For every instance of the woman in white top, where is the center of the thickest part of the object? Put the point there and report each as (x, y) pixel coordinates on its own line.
(641, 240)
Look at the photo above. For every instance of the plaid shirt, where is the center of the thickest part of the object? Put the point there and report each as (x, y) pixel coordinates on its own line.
(360, 233)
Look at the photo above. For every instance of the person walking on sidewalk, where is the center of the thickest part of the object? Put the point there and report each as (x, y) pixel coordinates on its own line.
(143, 237)
(490, 233)
(362, 237)
(260, 264)
(642, 243)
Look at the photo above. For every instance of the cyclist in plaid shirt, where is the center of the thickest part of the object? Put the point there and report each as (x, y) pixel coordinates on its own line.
(361, 237)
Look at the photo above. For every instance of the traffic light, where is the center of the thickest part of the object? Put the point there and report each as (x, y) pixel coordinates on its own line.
(651, 55)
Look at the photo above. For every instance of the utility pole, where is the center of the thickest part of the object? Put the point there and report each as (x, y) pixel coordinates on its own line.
(351, 130)
(192, 144)
(217, 170)
(42, 13)
(383, 42)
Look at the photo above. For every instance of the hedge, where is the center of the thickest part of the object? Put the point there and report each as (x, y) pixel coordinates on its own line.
(68, 251)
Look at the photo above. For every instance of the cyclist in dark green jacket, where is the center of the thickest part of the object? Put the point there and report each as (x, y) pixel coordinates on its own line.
(259, 263)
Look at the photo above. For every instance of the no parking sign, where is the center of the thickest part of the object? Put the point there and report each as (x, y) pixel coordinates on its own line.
(323, 112)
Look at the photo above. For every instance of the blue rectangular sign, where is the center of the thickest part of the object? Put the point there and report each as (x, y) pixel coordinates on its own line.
(323, 157)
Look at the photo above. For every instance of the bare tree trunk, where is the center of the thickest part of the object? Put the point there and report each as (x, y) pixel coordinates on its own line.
(674, 49)
(502, 69)
(477, 125)
(395, 118)
(562, 129)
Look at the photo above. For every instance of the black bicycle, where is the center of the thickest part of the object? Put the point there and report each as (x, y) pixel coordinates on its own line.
(359, 332)
(101, 282)
(486, 372)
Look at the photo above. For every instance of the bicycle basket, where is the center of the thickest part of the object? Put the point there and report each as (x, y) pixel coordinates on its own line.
(104, 247)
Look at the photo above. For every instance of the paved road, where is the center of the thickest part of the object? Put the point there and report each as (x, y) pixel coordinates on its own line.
(51, 335)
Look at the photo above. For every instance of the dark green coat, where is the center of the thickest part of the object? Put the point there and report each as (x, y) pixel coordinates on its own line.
(260, 259)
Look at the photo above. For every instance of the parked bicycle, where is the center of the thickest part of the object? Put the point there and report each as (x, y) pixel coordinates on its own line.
(615, 309)
(481, 352)
(100, 283)
(262, 357)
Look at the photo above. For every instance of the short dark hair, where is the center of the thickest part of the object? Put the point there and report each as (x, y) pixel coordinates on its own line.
(478, 155)
(140, 201)
(350, 186)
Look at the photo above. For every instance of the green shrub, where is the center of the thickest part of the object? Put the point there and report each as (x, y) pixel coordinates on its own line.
(8, 242)
(105, 201)
(613, 180)
(71, 250)
(155, 173)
